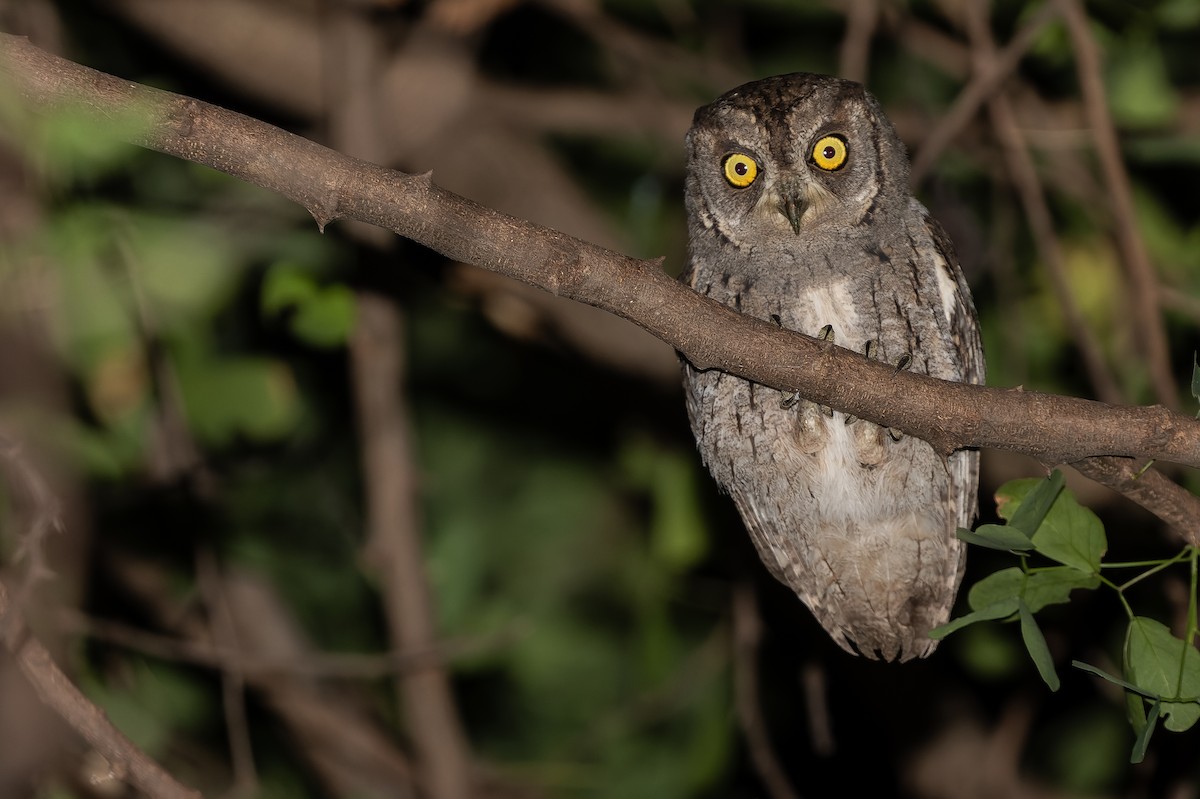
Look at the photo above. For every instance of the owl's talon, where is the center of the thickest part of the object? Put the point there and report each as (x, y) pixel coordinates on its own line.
(826, 334)
(895, 434)
(869, 349)
(789, 401)
(777, 319)
(904, 362)
(850, 419)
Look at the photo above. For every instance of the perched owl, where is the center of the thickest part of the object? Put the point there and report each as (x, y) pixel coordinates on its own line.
(799, 212)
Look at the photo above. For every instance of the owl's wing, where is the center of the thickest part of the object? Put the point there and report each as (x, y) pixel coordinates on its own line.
(964, 337)
(964, 324)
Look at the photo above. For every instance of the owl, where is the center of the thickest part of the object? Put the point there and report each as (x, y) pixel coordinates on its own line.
(799, 212)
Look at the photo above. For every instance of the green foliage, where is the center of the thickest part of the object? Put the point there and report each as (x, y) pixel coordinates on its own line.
(152, 704)
(1043, 519)
(1139, 89)
(322, 316)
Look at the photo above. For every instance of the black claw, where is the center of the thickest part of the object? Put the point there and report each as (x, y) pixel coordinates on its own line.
(869, 349)
(789, 401)
(904, 362)
(826, 333)
(851, 419)
(777, 320)
(895, 434)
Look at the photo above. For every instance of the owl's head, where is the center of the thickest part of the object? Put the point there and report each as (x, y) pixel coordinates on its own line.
(793, 153)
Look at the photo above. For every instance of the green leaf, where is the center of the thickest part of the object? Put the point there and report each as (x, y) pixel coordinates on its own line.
(283, 287)
(998, 610)
(997, 586)
(1028, 514)
(1054, 585)
(1139, 88)
(1143, 739)
(1035, 643)
(1039, 588)
(185, 268)
(228, 397)
(996, 536)
(327, 318)
(1178, 14)
(1069, 533)
(1165, 666)
(322, 316)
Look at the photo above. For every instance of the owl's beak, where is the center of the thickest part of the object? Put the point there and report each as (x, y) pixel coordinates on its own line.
(792, 204)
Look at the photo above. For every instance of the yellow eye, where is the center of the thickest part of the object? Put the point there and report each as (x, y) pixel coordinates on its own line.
(829, 153)
(740, 170)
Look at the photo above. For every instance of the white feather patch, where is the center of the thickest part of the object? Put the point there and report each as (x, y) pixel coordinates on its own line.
(947, 286)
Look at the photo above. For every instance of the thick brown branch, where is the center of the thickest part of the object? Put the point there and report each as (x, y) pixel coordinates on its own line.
(1051, 428)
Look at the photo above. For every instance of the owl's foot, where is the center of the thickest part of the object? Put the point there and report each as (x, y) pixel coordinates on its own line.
(790, 400)
(826, 334)
(902, 363)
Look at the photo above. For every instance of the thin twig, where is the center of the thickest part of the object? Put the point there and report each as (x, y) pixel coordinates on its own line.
(325, 665)
(44, 518)
(1163, 497)
(394, 549)
(343, 745)
(976, 92)
(855, 53)
(1150, 330)
(1024, 176)
(58, 693)
(747, 634)
(1180, 301)
(233, 675)
(816, 701)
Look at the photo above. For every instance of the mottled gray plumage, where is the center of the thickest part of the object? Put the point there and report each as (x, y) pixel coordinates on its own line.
(799, 211)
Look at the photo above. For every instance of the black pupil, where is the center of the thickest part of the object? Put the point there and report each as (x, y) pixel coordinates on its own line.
(829, 152)
(741, 168)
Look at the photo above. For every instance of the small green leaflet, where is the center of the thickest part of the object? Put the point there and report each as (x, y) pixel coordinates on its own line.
(1038, 588)
(322, 316)
(998, 595)
(1162, 665)
(1143, 739)
(1032, 508)
(996, 536)
(1035, 643)
(999, 610)
(1069, 533)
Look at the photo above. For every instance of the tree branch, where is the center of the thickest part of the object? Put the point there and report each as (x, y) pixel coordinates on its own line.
(1151, 331)
(57, 692)
(1052, 428)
